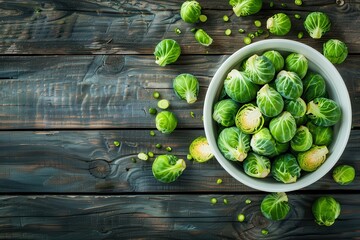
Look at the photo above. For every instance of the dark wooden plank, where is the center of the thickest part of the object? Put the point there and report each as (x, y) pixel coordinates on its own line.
(59, 92)
(167, 217)
(116, 27)
(88, 162)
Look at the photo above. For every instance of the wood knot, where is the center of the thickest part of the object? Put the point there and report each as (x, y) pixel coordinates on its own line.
(99, 168)
(259, 220)
(340, 2)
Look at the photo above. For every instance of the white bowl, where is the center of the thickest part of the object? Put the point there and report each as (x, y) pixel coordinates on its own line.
(337, 91)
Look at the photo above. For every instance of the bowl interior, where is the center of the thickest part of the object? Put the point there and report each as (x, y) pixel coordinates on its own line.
(337, 91)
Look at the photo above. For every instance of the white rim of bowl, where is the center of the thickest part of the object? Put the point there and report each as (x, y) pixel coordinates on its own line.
(311, 54)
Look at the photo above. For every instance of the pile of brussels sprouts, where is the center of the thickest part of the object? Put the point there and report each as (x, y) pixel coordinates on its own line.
(275, 116)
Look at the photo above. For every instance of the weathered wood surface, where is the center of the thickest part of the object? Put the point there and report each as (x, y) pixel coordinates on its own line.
(168, 217)
(88, 162)
(93, 92)
(135, 27)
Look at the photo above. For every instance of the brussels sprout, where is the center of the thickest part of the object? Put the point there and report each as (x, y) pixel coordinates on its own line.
(167, 168)
(166, 122)
(313, 158)
(203, 38)
(259, 69)
(302, 141)
(186, 87)
(296, 107)
(301, 120)
(335, 51)
(269, 101)
(275, 206)
(297, 63)
(317, 24)
(249, 119)
(326, 210)
(314, 87)
(167, 51)
(245, 7)
(285, 168)
(289, 85)
(279, 24)
(239, 87)
(200, 149)
(283, 127)
(280, 148)
(256, 165)
(263, 143)
(276, 58)
(234, 144)
(190, 11)
(321, 135)
(343, 174)
(225, 112)
(323, 112)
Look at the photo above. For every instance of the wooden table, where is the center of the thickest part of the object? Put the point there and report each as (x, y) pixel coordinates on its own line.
(78, 75)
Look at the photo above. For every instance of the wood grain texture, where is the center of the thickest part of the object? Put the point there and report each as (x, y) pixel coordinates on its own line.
(167, 217)
(109, 91)
(88, 162)
(116, 27)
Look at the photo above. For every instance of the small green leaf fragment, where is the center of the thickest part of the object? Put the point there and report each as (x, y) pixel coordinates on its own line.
(297, 16)
(203, 18)
(247, 201)
(156, 95)
(169, 149)
(219, 181)
(225, 18)
(192, 114)
(189, 157)
(228, 32)
(241, 30)
(116, 143)
(213, 200)
(152, 133)
(241, 217)
(133, 160)
(177, 31)
(247, 40)
(300, 35)
(150, 154)
(164, 104)
(298, 2)
(143, 156)
(257, 23)
(271, 4)
(284, 5)
(225, 201)
(264, 231)
(152, 111)
(158, 146)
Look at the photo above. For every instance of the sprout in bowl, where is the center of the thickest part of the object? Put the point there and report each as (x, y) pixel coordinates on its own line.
(286, 127)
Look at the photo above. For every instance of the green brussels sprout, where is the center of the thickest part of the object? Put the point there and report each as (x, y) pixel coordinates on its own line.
(313, 158)
(280, 148)
(234, 144)
(225, 111)
(289, 85)
(167, 168)
(269, 101)
(275, 206)
(335, 51)
(167, 51)
(296, 107)
(279, 24)
(200, 149)
(245, 7)
(166, 122)
(259, 69)
(317, 24)
(326, 210)
(296, 62)
(203, 38)
(302, 141)
(239, 87)
(283, 127)
(256, 165)
(323, 112)
(249, 119)
(263, 143)
(190, 11)
(314, 86)
(321, 135)
(301, 120)
(285, 168)
(276, 58)
(186, 87)
(343, 174)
